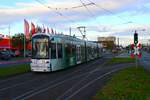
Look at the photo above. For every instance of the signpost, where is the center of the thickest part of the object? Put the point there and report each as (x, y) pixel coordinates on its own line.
(136, 49)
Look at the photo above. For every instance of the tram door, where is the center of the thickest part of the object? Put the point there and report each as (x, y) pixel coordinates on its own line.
(78, 54)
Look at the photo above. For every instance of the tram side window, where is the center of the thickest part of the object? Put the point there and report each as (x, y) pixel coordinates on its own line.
(53, 51)
(69, 49)
(73, 50)
(78, 53)
(59, 46)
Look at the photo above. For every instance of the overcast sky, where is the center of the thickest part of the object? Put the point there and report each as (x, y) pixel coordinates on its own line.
(118, 18)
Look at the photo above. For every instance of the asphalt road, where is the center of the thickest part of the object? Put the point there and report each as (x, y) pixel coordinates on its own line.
(77, 83)
(145, 60)
(15, 62)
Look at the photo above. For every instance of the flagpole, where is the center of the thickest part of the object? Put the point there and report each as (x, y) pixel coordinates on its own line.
(24, 46)
(9, 37)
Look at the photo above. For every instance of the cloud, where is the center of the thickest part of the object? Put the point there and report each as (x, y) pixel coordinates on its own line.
(39, 14)
(34, 10)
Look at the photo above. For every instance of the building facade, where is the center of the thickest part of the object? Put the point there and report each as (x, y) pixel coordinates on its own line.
(107, 42)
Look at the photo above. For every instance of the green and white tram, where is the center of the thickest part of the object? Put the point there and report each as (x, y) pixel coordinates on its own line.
(56, 52)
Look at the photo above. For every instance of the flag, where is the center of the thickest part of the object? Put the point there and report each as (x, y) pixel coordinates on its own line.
(36, 29)
(26, 29)
(33, 30)
(47, 30)
(52, 31)
(55, 32)
(43, 30)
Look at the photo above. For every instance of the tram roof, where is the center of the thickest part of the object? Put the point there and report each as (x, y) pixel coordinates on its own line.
(65, 37)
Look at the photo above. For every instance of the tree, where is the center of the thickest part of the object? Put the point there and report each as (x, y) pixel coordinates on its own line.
(18, 41)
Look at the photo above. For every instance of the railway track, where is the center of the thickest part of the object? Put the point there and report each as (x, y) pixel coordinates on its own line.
(75, 83)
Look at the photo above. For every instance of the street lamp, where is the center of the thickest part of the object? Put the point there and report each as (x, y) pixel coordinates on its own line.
(149, 44)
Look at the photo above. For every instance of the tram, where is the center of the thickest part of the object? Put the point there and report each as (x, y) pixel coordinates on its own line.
(55, 52)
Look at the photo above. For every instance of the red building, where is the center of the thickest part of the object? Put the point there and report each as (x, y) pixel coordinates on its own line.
(6, 44)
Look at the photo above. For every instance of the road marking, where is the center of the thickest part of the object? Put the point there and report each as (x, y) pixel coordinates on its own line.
(108, 73)
(32, 92)
(89, 73)
(2, 81)
(8, 87)
(21, 83)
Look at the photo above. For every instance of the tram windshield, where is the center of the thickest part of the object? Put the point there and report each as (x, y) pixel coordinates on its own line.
(40, 48)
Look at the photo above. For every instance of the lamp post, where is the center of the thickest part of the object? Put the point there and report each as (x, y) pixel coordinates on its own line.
(149, 44)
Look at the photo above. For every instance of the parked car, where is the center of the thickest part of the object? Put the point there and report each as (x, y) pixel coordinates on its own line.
(17, 53)
(12, 53)
(5, 55)
(28, 54)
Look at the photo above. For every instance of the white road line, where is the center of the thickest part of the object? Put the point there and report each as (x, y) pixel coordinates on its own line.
(2, 81)
(21, 83)
(8, 87)
(108, 73)
(89, 73)
(30, 93)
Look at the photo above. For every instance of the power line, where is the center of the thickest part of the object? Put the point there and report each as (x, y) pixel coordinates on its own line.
(60, 14)
(48, 7)
(91, 14)
(86, 8)
(74, 7)
(89, 4)
(109, 11)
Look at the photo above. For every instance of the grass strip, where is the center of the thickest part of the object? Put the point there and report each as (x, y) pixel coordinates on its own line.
(120, 60)
(129, 84)
(15, 69)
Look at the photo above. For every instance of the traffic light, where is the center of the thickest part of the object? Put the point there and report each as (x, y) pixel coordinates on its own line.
(135, 38)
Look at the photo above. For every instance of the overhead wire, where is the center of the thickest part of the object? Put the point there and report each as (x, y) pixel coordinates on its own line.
(74, 7)
(91, 14)
(83, 5)
(48, 7)
(55, 10)
(108, 11)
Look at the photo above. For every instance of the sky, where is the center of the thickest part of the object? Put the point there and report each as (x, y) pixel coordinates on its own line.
(119, 18)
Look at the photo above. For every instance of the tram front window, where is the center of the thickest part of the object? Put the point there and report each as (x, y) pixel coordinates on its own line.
(40, 49)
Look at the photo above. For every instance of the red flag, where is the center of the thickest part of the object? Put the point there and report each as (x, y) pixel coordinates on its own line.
(26, 29)
(44, 30)
(139, 46)
(55, 32)
(52, 31)
(33, 28)
(36, 29)
(47, 30)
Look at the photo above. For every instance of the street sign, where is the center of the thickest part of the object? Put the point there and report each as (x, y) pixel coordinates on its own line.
(135, 48)
(132, 46)
(136, 51)
(139, 46)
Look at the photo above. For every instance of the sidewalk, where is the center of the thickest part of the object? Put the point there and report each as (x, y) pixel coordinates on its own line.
(145, 60)
(14, 62)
